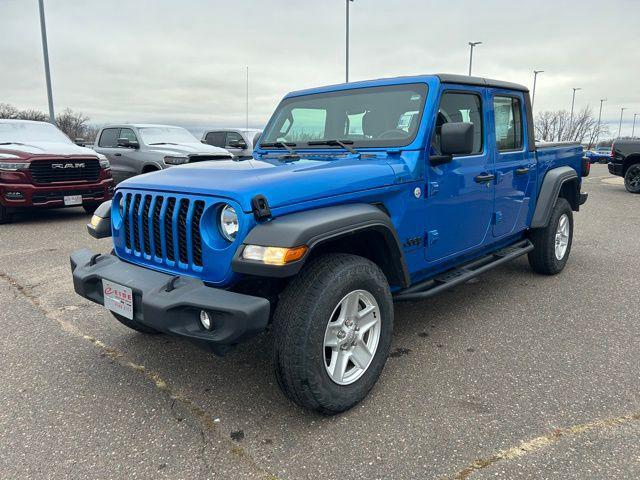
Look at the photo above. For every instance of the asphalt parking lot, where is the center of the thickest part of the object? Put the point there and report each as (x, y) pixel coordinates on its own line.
(513, 375)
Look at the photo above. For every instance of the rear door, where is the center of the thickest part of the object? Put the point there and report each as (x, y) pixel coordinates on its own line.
(107, 144)
(217, 139)
(461, 192)
(514, 164)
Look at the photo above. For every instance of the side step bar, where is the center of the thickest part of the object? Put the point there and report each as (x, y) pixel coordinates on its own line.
(456, 276)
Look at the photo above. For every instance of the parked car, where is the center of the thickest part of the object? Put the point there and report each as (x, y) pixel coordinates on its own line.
(359, 194)
(135, 149)
(239, 141)
(599, 155)
(625, 162)
(40, 167)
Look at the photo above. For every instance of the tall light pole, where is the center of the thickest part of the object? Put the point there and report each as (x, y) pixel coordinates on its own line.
(535, 77)
(602, 100)
(45, 51)
(620, 126)
(573, 101)
(347, 45)
(633, 129)
(247, 105)
(472, 44)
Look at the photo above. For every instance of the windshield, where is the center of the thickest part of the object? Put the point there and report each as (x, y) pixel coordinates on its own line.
(25, 132)
(369, 117)
(159, 135)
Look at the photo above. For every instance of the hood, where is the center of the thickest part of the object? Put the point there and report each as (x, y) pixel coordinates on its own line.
(31, 149)
(188, 149)
(283, 183)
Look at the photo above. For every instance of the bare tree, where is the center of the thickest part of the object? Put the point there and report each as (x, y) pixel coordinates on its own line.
(33, 115)
(8, 111)
(557, 126)
(73, 124)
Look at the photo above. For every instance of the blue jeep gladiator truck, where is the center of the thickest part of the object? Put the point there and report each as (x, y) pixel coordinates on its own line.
(358, 195)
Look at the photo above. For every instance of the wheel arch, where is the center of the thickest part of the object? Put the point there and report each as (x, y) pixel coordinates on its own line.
(558, 182)
(150, 167)
(359, 229)
(630, 160)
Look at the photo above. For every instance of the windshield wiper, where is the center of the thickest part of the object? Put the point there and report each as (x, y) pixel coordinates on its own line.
(285, 145)
(163, 143)
(11, 143)
(341, 143)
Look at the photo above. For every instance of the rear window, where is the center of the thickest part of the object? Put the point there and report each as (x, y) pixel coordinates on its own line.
(109, 137)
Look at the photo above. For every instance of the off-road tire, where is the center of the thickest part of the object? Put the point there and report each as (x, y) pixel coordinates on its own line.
(543, 258)
(632, 174)
(5, 217)
(90, 208)
(301, 318)
(134, 325)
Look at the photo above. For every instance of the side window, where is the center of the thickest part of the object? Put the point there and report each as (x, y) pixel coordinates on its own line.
(215, 138)
(233, 137)
(109, 138)
(128, 134)
(508, 118)
(460, 107)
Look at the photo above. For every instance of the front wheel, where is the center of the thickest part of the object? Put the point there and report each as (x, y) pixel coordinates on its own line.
(4, 215)
(332, 333)
(552, 243)
(632, 179)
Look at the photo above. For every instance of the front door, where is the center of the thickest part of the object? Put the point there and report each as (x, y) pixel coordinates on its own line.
(461, 193)
(514, 164)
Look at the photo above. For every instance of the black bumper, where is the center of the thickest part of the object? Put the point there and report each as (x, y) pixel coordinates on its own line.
(615, 168)
(236, 317)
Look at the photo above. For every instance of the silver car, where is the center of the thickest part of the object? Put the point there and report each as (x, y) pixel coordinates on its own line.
(134, 149)
(239, 141)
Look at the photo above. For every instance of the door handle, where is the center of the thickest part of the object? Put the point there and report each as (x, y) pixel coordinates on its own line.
(522, 171)
(485, 177)
(117, 154)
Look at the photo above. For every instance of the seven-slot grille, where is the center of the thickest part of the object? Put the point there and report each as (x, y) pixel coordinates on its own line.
(165, 227)
(65, 170)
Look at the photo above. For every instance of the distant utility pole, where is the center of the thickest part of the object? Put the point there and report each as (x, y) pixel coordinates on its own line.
(347, 45)
(602, 100)
(633, 129)
(535, 77)
(620, 126)
(472, 44)
(247, 106)
(573, 101)
(45, 51)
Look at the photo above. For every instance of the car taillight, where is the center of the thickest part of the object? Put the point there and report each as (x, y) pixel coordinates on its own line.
(586, 167)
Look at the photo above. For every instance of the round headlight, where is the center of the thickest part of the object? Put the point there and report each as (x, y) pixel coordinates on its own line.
(229, 223)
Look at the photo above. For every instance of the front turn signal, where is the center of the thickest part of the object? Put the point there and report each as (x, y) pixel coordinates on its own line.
(273, 255)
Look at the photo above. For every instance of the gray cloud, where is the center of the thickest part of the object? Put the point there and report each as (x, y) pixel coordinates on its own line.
(184, 62)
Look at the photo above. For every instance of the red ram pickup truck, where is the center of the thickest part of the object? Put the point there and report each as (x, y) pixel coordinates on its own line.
(40, 167)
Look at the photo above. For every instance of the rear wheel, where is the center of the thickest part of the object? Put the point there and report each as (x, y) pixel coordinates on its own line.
(552, 244)
(632, 179)
(332, 333)
(134, 325)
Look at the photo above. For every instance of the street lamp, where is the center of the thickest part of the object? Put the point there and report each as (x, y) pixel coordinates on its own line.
(620, 126)
(573, 101)
(472, 44)
(45, 52)
(633, 129)
(347, 45)
(602, 100)
(533, 96)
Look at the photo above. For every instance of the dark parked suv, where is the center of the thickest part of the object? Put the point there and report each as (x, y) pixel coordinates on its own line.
(625, 162)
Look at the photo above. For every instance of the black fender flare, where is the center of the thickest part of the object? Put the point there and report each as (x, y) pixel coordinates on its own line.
(315, 227)
(549, 191)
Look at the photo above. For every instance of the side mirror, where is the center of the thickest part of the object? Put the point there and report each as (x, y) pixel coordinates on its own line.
(238, 144)
(203, 141)
(126, 143)
(80, 142)
(457, 138)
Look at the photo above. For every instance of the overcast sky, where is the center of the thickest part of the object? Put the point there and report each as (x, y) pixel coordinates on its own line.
(184, 61)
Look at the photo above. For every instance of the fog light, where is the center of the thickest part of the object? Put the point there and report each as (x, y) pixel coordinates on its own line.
(205, 320)
(14, 196)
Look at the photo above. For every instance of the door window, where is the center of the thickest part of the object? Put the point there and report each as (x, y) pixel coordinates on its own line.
(128, 134)
(460, 107)
(508, 120)
(109, 138)
(233, 137)
(215, 138)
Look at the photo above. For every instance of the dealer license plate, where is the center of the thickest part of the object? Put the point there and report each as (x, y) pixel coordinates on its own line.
(72, 200)
(118, 299)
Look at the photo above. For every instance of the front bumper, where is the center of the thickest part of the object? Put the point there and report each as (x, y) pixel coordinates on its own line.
(53, 195)
(615, 168)
(236, 317)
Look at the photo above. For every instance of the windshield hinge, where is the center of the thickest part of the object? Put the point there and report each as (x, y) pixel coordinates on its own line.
(260, 207)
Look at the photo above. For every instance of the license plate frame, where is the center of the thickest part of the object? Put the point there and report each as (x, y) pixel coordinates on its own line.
(118, 298)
